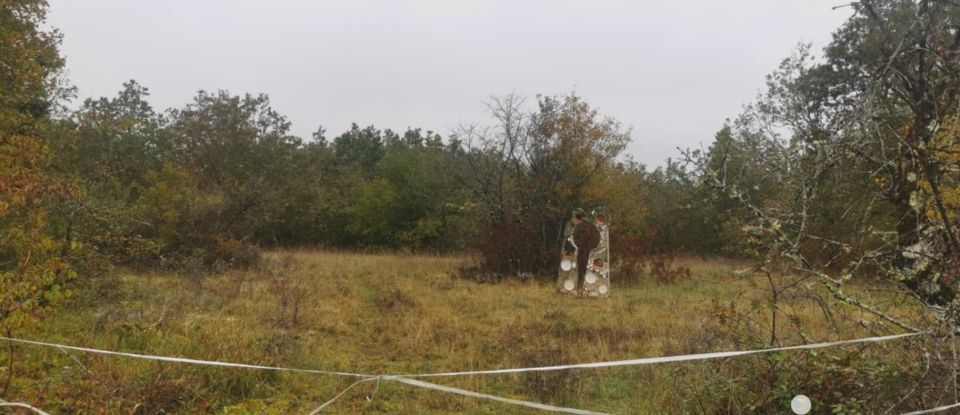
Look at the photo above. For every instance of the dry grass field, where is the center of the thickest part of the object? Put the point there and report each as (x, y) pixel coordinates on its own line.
(407, 314)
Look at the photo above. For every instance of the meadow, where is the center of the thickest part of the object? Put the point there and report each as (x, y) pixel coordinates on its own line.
(410, 314)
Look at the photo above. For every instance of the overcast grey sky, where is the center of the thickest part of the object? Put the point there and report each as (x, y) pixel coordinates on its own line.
(671, 69)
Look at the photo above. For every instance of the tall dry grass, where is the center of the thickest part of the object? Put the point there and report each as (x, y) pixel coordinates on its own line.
(409, 314)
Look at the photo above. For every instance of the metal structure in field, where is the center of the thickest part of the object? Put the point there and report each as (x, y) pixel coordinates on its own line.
(585, 255)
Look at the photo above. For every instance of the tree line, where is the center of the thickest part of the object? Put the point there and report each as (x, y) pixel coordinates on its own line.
(846, 162)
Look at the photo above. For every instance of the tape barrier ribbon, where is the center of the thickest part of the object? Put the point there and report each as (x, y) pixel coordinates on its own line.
(35, 410)
(664, 359)
(184, 359)
(449, 389)
(592, 365)
(933, 410)
(406, 379)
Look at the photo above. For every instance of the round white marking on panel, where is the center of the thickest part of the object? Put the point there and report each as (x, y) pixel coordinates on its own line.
(569, 285)
(590, 277)
(566, 265)
(603, 289)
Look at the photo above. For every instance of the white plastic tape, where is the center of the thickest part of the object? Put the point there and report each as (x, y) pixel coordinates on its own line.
(664, 359)
(406, 378)
(184, 359)
(4, 403)
(448, 389)
(933, 410)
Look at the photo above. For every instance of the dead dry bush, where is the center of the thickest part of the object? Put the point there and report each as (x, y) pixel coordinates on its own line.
(286, 284)
(109, 390)
(476, 271)
(639, 259)
(508, 247)
(393, 300)
(629, 253)
(215, 253)
(665, 269)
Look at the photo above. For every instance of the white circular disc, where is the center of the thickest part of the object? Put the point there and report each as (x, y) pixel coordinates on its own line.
(800, 404)
(590, 278)
(569, 285)
(566, 265)
(603, 289)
